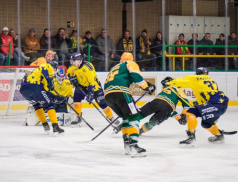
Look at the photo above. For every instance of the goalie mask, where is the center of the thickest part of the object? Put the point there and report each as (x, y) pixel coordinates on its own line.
(60, 75)
(49, 56)
(76, 59)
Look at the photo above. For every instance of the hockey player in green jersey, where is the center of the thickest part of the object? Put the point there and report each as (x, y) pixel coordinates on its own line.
(212, 103)
(119, 97)
(164, 105)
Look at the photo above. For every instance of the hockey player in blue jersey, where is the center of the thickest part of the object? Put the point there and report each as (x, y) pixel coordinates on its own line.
(212, 103)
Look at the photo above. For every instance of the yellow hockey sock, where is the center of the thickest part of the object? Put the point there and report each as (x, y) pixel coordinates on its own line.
(52, 115)
(78, 107)
(214, 130)
(108, 112)
(41, 115)
(124, 131)
(191, 121)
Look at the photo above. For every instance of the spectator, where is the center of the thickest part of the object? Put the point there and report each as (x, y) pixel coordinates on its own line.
(233, 51)
(209, 62)
(111, 49)
(181, 50)
(88, 39)
(44, 42)
(63, 45)
(17, 50)
(191, 42)
(125, 44)
(220, 51)
(5, 40)
(143, 45)
(32, 45)
(73, 38)
(158, 47)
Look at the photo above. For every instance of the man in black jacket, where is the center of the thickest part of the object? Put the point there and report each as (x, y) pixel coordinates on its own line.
(233, 51)
(63, 45)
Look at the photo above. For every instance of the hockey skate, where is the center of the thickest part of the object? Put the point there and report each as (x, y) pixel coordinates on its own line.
(116, 125)
(191, 141)
(126, 144)
(217, 138)
(46, 127)
(76, 121)
(137, 151)
(56, 129)
(141, 131)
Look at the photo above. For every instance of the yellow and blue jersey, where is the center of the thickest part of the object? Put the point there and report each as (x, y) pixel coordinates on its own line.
(204, 87)
(40, 76)
(64, 89)
(86, 76)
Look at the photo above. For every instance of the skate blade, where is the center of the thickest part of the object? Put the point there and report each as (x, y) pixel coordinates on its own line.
(57, 134)
(192, 145)
(138, 155)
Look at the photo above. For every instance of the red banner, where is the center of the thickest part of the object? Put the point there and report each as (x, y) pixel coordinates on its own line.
(5, 90)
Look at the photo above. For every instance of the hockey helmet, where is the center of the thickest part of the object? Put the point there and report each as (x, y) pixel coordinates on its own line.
(202, 71)
(60, 75)
(126, 56)
(55, 65)
(76, 59)
(49, 55)
(166, 80)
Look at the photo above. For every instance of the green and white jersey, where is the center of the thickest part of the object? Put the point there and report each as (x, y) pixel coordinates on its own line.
(122, 76)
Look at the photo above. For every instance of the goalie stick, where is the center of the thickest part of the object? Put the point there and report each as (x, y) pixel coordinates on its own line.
(76, 112)
(115, 120)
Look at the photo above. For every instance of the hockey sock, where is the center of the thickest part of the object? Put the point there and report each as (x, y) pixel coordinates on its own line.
(214, 130)
(41, 115)
(191, 121)
(148, 125)
(133, 128)
(78, 107)
(108, 112)
(52, 115)
(124, 125)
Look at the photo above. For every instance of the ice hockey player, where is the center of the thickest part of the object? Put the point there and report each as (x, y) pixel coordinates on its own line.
(49, 56)
(36, 88)
(83, 76)
(212, 103)
(164, 106)
(119, 97)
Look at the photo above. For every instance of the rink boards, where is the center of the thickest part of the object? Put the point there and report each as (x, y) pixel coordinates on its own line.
(12, 102)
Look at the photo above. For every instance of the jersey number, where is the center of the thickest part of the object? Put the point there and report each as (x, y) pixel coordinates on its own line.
(112, 74)
(210, 84)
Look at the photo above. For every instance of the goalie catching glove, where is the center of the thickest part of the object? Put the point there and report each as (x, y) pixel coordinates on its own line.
(150, 89)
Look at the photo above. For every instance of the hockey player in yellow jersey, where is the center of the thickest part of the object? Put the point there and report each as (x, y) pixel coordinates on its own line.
(83, 76)
(36, 88)
(212, 103)
(49, 56)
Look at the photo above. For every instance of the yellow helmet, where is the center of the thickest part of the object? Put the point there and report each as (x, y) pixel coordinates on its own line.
(126, 56)
(50, 52)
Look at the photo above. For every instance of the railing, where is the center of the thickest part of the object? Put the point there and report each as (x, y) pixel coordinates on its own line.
(195, 55)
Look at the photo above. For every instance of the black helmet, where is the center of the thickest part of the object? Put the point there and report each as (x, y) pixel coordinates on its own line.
(166, 80)
(54, 64)
(202, 71)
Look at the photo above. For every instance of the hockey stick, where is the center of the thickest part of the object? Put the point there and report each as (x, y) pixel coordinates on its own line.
(76, 112)
(115, 120)
(78, 87)
(229, 132)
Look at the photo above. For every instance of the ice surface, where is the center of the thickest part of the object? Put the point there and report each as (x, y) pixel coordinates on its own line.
(27, 153)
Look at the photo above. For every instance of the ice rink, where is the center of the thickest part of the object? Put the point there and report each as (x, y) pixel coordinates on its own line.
(28, 154)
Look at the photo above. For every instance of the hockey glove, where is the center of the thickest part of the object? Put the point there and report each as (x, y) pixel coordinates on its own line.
(150, 89)
(183, 119)
(50, 84)
(89, 97)
(60, 99)
(73, 80)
